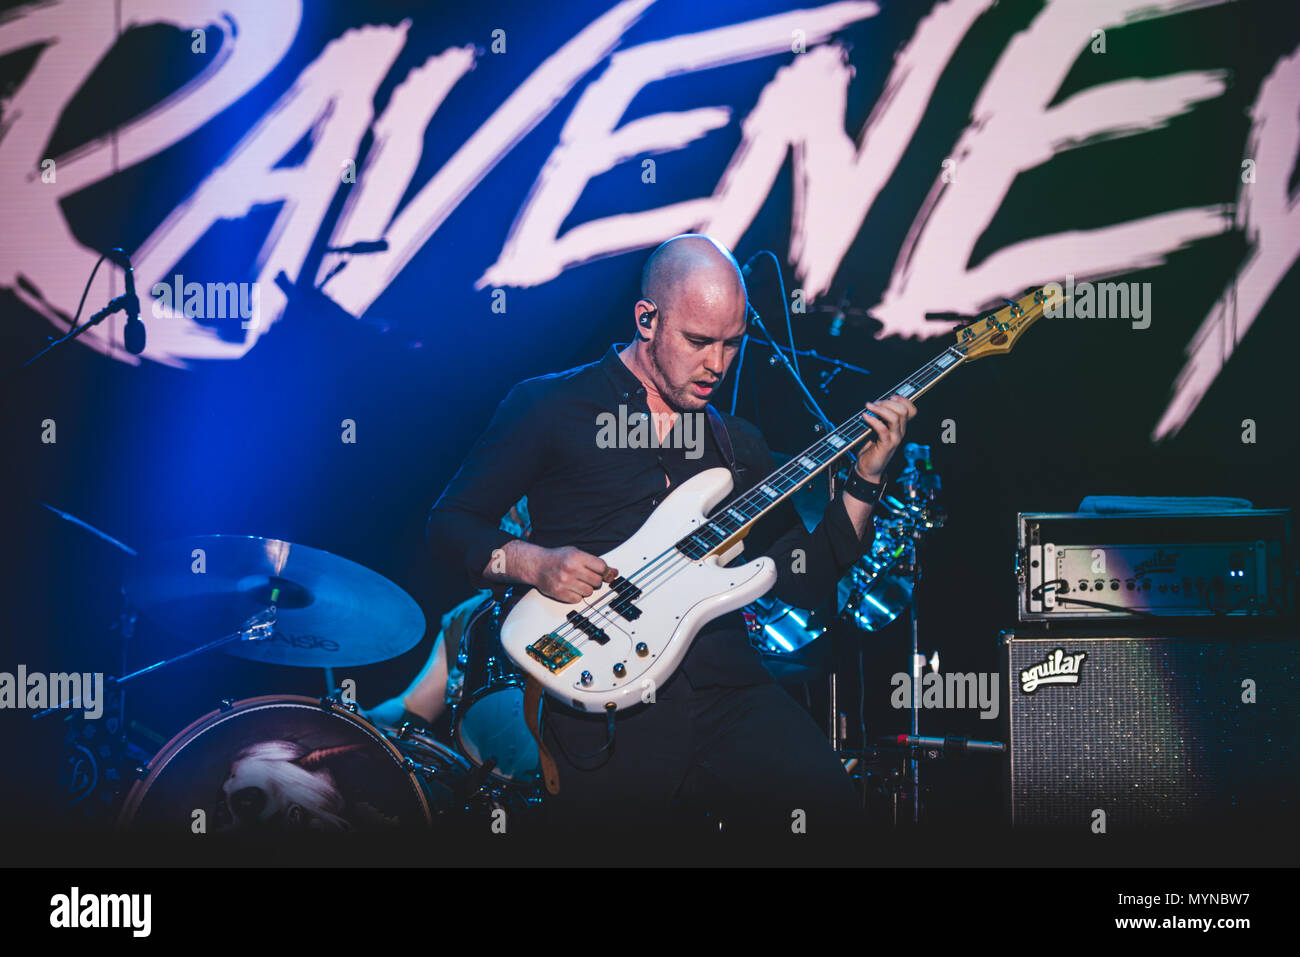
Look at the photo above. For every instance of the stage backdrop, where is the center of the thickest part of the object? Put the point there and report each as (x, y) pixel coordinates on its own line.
(909, 163)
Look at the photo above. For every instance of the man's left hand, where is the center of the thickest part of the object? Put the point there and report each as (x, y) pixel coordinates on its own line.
(888, 419)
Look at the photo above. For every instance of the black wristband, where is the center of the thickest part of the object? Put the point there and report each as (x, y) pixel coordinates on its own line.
(864, 491)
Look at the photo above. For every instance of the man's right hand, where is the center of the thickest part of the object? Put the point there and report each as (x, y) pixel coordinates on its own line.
(569, 574)
(566, 574)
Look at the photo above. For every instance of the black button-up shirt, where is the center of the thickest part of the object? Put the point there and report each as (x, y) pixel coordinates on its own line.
(550, 440)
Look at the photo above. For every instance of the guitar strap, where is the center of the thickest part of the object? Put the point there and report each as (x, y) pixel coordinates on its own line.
(533, 689)
(720, 435)
(532, 703)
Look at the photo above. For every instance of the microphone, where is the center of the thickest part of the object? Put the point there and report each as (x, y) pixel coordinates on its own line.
(133, 336)
(954, 746)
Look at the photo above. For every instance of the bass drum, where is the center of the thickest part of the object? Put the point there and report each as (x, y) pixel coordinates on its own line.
(278, 764)
(489, 725)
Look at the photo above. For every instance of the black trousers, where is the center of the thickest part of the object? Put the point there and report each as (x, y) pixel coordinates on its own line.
(747, 759)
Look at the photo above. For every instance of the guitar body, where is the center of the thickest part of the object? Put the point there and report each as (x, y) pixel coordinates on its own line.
(678, 597)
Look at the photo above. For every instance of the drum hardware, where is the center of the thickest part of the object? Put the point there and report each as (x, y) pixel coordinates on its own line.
(883, 768)
(97, 757)
(349, 774)
(878, 589)
(488, 724)
(480, 776)
(256, 629)
(464, 786)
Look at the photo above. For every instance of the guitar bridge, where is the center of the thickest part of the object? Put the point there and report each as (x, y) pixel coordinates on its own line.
(553, 652)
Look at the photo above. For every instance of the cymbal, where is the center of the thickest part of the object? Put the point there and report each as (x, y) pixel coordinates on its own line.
(329, 611)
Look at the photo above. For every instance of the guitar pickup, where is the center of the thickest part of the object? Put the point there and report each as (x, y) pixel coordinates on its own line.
(628, 610)
(592, 631)
(627, 593)
(553, 652)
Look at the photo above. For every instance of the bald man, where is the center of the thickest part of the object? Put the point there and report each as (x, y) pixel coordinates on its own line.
(720, 737)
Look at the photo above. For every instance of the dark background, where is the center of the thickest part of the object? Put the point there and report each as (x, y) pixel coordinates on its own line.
(252, 447)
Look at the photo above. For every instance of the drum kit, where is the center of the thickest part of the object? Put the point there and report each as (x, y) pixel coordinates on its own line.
(877, 589)
(291, 763)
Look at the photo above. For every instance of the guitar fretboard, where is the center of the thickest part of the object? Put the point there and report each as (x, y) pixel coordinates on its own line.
(767, 494)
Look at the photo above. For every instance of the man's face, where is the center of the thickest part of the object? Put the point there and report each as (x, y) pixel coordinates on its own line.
(693, 347)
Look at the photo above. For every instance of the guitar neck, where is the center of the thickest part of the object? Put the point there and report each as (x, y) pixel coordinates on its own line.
(733, 523)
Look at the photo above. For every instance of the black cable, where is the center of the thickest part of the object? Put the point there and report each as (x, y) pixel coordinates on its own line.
(609, 735)
(1036, 594)
(1204, 591)
(740, 364)
(785, 306)
(72, 329)
(805, 396)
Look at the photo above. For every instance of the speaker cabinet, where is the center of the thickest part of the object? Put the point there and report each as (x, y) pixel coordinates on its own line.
(1147, 731)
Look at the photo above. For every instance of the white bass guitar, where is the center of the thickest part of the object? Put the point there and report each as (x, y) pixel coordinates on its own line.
(609, 651)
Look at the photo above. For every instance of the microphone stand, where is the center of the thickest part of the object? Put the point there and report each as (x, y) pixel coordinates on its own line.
(118, 304)
(918, 665)
(756, 320)
(128, 302)
(824, 423)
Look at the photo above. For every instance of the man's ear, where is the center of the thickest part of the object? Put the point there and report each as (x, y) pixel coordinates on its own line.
(646, 313)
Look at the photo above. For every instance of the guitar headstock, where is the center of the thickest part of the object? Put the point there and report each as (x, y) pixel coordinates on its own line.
(997, 333)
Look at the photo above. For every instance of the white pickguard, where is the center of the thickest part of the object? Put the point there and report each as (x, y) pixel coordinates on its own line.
(674, 606)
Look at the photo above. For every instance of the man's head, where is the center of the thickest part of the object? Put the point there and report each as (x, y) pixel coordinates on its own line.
(690, 319)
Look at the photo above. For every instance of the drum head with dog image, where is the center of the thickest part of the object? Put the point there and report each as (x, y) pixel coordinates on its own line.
(277, 764)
